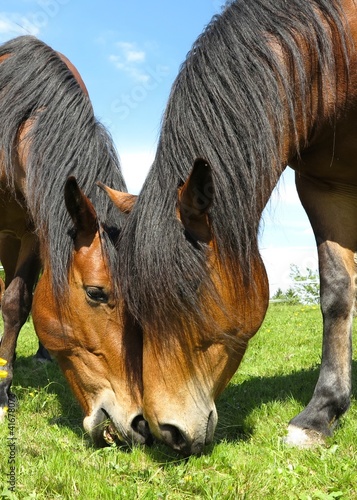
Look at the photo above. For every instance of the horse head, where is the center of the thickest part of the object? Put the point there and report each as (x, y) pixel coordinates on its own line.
(87, 332)
(190, 355)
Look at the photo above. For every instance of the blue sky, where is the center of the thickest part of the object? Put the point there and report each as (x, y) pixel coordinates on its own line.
(128, 53)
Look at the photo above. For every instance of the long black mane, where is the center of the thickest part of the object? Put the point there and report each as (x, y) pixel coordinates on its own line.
(244, 87)
(65, 139)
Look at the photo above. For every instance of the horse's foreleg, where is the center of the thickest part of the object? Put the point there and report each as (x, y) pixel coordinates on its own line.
(331, 397)
(333, 219)
(16, 306)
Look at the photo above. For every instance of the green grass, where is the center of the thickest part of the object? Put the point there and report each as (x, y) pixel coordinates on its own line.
(248, 459)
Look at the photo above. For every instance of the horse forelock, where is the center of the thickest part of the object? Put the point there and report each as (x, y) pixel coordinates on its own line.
(244, 87)
(64, 139)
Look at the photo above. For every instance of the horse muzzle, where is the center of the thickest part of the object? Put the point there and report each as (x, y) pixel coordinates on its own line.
(187, 439)
(109, 424)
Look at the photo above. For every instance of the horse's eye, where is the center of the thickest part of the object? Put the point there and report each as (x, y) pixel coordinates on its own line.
(97, 294)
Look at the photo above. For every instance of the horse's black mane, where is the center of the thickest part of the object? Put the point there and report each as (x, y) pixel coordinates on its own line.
(65, 140)
(242, 88)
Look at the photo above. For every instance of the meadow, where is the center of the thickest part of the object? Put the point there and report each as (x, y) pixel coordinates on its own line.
(248, 459)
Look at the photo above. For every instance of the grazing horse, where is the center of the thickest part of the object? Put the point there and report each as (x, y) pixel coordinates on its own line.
(48, 134)
(269, 83)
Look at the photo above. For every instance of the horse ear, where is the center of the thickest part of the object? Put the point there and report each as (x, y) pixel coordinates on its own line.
(80, 208)
(195, 199)
(123, 201)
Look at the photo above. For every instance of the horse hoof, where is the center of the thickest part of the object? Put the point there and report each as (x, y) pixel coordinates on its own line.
(303, 438)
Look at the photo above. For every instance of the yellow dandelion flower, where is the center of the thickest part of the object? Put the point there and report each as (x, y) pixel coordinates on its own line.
(3, 373)
(3, 362)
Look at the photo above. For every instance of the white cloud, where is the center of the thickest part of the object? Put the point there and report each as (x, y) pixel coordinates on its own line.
(285, 191)
(129, 60)
(130, 52)
(5, 25)
(278, 260)
(135, 167)
(134, 72)
(14, 24)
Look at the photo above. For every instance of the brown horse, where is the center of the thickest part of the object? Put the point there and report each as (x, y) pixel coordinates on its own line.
(47, 133)
(268, 84)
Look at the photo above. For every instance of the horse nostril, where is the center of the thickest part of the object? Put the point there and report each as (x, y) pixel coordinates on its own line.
(173, 437)
(141, 428)
(176, 439)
